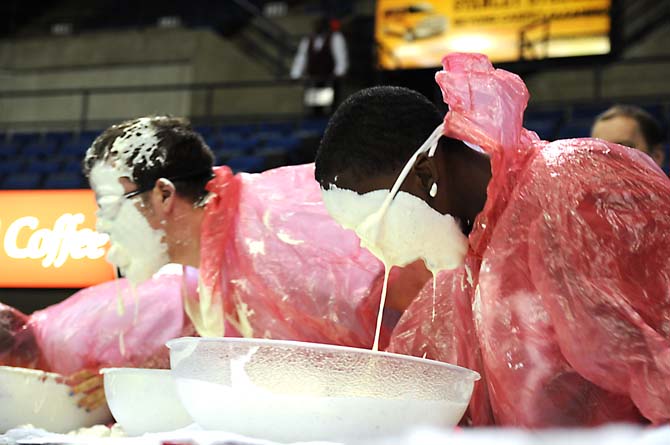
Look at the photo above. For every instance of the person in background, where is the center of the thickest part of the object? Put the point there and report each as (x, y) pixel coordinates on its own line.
(633, 127)
(553, 255)
(323, 60)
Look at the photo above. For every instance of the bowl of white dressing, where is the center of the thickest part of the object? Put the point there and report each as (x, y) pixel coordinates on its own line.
(290, 391)
(41, 399)
(144, 400)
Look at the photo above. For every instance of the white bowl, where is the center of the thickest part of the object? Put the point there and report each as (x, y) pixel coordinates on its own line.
(291, 391)
(144, 400)
(29, 396)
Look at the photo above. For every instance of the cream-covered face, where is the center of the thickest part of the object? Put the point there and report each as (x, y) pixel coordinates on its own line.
(407, 231)
(137, 248)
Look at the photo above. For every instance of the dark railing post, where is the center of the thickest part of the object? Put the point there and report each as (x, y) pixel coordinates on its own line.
(83, 117)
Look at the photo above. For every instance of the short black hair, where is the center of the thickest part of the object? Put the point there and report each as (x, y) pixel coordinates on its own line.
(649, 127)
(375, 131)
(181, 155)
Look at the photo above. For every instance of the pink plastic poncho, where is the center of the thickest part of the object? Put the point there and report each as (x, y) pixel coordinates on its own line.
(563, 304)
(280, 267)
(92, 329)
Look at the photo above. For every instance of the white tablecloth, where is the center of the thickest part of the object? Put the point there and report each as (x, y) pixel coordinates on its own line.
(607, 435)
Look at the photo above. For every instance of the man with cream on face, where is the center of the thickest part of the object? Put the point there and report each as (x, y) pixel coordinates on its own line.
(552, 257)
(266, 258)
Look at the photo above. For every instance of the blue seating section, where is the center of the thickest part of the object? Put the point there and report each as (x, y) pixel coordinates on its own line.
(53, 160)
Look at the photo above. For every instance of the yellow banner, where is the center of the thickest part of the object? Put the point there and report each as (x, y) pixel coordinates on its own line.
(417, 34)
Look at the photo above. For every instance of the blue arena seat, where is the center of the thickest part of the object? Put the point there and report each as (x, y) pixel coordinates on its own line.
(546, 129)
(268, 135)
(280, 127)
(250, 164)
(588, 112)
(75, 147)
(14, 165)
(314, 125)
(574, 130)
(7, 149)
(71, 164)
(65, 180)
(206, 131)
(23, 139)
(41, 148)
(21, 181)
(244, 129)
(237, 144)
(222, 156)
(43, 165)
(287, 142)
(58, 137)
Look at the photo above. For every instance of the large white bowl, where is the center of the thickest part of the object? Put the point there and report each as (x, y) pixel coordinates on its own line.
(292, 391)
(29, 396)
(144, 400)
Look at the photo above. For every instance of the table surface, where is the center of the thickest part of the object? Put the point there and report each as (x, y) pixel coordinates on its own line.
(607, 435)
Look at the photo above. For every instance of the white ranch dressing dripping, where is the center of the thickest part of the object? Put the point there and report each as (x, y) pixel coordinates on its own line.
(205, 312)
(399, 228)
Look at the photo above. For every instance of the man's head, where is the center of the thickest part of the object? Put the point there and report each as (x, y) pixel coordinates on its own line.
(148, 174)
(373, 134)
(367, 143)
(633, 127)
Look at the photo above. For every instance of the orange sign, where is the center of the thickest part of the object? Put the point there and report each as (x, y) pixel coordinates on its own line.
(49, 240)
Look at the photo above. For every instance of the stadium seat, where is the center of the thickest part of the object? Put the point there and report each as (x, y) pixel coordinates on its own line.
(279, 127)
(7, 149)
(23, 139)
(71, 164)
(546, 129)
(39, 149)
(64, 180)
(238, 144)
(231, 135)
(588, 112)
(75, 147)
(88, 136)
(57, 138)
(287, 142)
(14, 165)
(250, 164)
(268, 135)
(314, 125)
(222, 156)
(244, 129)
(206, 131)
(22, 181)
(303, 134)
(43, 165)
(570, 130)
